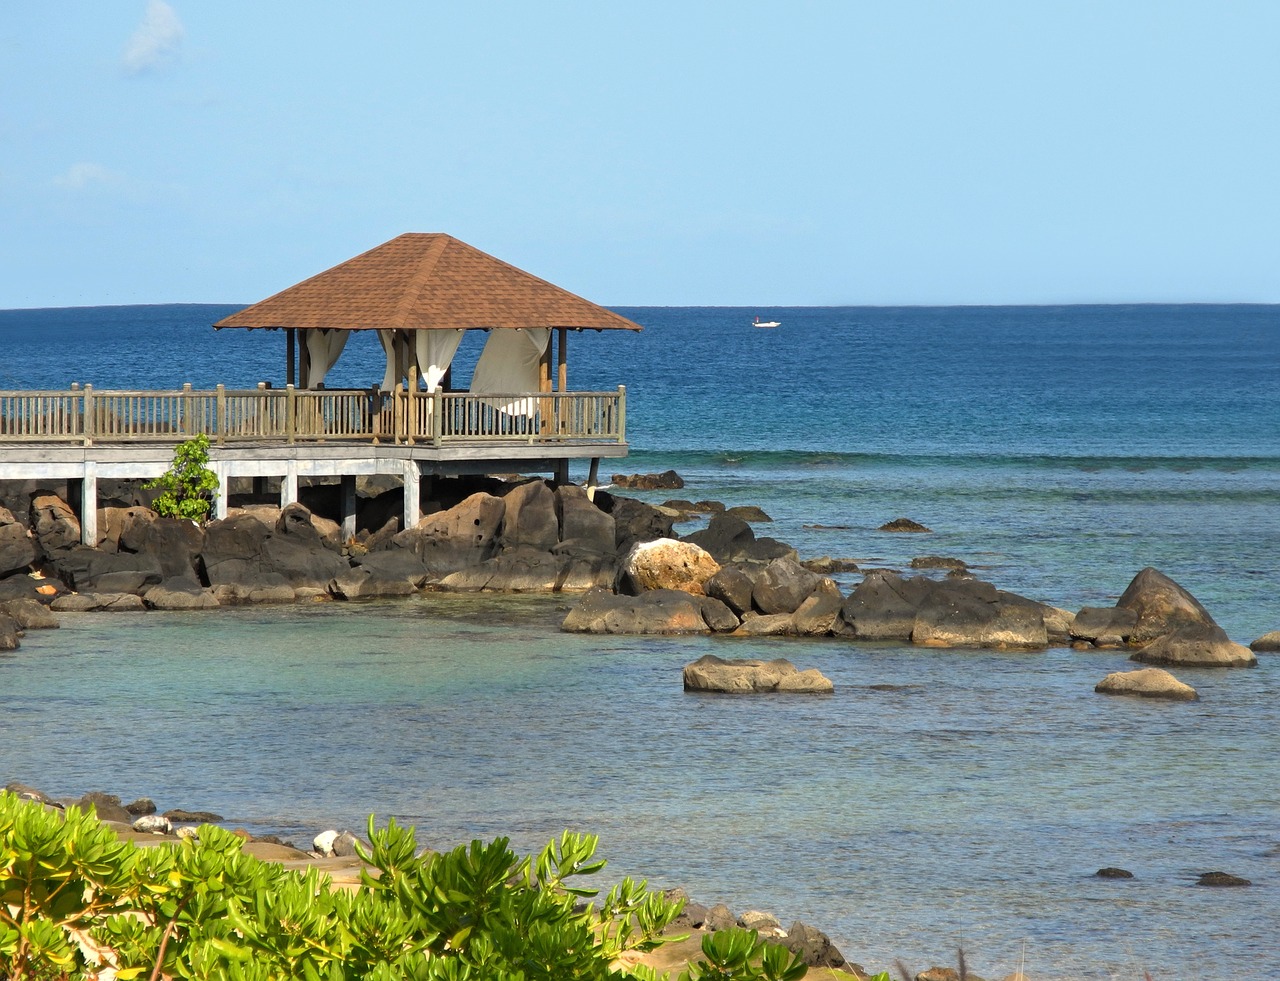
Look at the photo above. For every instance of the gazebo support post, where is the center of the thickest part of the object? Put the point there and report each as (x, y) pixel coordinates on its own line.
(348, 507)
(304, 363)
(290, 345)
(562, 365)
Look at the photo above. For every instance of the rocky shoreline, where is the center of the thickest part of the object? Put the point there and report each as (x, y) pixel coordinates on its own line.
(632, 572)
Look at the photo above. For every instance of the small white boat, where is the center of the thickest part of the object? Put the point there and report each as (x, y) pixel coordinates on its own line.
(767, 323)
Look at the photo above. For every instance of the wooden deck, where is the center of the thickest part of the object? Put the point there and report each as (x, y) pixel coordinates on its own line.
(83, 435)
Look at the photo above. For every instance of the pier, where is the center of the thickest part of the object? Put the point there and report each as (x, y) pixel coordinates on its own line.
(81, 436)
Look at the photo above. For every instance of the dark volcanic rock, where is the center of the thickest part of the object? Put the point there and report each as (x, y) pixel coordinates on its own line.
(29, 614)
(463, 536)
(732, 586)
(1221, 880)
(108, 806)
(783, 586)
(173, 545)
(193, 817)
(1269, 642)
(1197, 645)
(53, 522)
(1104, 626)
(814, 947)
(17, 546)
(729, 539)
(530, 518)
(9, 633)
(584, 527)
(903, 524)
(634, 521)
(1161, 606)
(658, 611)
(1113, 873)
(667, 480)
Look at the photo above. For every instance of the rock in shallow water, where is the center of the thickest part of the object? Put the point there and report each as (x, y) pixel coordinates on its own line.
(1146, 683)
(748, 675)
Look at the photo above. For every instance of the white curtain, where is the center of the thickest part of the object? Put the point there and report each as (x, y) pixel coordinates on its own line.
(397, 368)
(323, 349)
(435, 350)
(509, 364)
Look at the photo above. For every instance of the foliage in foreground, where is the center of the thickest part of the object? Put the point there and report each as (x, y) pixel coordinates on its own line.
(76, 902)
(188, 486)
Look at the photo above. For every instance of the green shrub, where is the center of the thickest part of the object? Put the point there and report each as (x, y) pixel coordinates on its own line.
(74, 900)
(189, 486)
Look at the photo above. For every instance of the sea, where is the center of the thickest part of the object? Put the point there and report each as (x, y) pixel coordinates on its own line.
(939, 800)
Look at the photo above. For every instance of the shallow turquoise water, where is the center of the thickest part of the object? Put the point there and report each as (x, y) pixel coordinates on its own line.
(969, 806)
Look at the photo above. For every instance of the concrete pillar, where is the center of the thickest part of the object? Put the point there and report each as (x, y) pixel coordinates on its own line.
(348, 507)
(220, 502)
(289, 484)
(412, 490)
(89, 505)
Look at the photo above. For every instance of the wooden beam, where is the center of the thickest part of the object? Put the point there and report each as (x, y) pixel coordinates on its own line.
(290, 344)
(563, 362)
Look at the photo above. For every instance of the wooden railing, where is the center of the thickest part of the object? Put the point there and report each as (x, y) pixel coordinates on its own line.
(299, 415)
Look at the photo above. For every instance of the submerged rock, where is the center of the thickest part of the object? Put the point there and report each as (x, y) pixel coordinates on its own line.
(1221, 880)
(748, 675)
(1146, 683)
(903, 524)
(1267, 642)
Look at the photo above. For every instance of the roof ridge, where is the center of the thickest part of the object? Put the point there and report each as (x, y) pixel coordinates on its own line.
(426, 266)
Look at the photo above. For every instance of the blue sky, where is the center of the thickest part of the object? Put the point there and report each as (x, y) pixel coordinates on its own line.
(647, 153)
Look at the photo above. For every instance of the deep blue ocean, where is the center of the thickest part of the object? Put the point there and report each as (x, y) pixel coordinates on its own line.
(1058, 450)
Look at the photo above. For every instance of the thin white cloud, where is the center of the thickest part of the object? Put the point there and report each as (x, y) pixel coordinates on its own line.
(156, 41)
(82, 175)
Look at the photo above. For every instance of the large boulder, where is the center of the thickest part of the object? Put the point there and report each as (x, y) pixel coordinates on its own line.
(240, 550)
(634, 521)
(173, 544)
(783, 586)
(112, 522)
(584, 527)
(29, 614)
(659, 611)
(733, 586)
(53, 522)
(527, 570)
(98, 603)
(972, 613)
(883, 606)
(749, 676)
(731, 540)
(818, 614)
(1269, 642)
(394, 564)
(665, 563)
(465, 535)
(530, 517)
(1104, 626)
(1160, 605)
(1146, 683)
(9, 632)
(941, 613)
(17, 545)
(88, 570)
(362, 582)
(1197, 645)
(667, 480)
(180, 594)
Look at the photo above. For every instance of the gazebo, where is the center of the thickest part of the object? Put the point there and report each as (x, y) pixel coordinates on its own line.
(421, 292)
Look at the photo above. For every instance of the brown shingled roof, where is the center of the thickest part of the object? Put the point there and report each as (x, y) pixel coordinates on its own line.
(425, 281)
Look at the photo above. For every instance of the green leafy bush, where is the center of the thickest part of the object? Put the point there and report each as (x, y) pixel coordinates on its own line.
(189, 486)
(75, 901)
